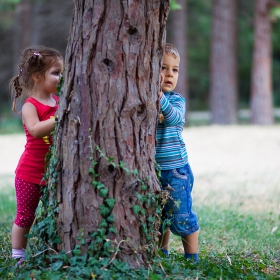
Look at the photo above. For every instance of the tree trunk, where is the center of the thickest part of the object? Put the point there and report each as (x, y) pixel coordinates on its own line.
(261, 88)
(223, 72)
(178, 22)
(37, 23)
(113, 63)
(22, 29)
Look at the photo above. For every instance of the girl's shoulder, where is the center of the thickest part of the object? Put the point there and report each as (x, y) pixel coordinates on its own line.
(35, 102)
(31, 100)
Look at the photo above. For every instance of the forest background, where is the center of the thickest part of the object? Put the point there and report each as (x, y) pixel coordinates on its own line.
(237, 198)
(31, 22)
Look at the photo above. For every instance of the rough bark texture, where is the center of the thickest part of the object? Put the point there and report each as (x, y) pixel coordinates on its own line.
(223, 76)
(113, 62)
(179, 39)
(261, 88)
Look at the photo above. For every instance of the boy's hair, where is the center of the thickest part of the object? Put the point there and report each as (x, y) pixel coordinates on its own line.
(34, 59)
(170, 49)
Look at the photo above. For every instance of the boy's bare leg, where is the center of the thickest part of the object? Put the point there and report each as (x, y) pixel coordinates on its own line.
(164, 239)
(190, 243)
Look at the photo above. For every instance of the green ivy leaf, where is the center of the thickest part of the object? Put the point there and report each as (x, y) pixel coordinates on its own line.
(97, 184)
(57, 265)
(110, 159)
(113, 230)
(110, 202)
(136, 209)
(139, 196)
(103, 192)
(127, 171)
(111, 219)
(144, 187)
(103, 223)
(104, 210)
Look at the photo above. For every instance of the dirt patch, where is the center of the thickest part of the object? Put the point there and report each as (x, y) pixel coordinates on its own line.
(235, 166)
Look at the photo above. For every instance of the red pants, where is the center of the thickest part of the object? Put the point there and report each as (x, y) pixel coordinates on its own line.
(28, 196)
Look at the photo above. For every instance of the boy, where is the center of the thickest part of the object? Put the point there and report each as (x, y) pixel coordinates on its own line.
(171, 155)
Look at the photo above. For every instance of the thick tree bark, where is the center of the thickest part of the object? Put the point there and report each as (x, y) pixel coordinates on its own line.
(223, 72)
(178, 22)
(261, 87)
(113, 64)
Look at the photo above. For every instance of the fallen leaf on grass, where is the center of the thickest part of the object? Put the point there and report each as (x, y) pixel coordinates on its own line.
(229, 260)
(274, 229)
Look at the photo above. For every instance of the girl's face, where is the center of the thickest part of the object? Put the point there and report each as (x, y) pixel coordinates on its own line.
(170, 72)
(52, 77)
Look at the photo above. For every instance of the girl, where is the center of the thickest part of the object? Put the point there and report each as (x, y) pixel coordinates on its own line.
(40, 71)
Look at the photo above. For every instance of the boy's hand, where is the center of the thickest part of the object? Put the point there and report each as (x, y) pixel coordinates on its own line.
(160, 115)
(161, 83)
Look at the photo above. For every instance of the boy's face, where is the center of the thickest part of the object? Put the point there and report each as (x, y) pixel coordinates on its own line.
(170, 72)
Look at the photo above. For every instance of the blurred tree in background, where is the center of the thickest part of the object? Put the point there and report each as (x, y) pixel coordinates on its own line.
(178, 26)
(223, 62)
(261, 102)
(25, 22)
(200, 37)
(29, 22)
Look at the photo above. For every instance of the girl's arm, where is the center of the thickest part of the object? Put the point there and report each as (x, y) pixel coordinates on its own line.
(35, 127)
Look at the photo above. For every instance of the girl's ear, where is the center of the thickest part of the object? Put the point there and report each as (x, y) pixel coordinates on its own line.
(36, 77)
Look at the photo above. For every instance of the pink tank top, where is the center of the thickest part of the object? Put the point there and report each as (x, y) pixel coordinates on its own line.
(31, 166)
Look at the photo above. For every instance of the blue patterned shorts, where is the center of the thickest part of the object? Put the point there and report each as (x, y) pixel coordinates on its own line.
(177, 211)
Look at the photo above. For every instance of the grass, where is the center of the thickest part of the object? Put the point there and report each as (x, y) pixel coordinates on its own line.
(237, 202)
(232, 246)
(7, 200)
(10, 125)
(7, 214)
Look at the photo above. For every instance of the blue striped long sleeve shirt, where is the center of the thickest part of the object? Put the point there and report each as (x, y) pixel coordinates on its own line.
(171, 151)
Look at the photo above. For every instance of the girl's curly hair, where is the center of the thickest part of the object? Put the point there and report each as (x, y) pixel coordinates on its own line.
(34, 59)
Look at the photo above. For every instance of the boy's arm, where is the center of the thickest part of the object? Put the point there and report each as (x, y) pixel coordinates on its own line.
(174, 113)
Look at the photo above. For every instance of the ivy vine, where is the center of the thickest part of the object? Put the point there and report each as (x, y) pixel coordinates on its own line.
(100, 260)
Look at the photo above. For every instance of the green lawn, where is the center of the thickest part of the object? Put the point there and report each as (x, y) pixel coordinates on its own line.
(236, 197)
(232, 246)
(7, 200)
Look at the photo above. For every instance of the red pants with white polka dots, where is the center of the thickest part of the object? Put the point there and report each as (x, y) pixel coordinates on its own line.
(28, 196)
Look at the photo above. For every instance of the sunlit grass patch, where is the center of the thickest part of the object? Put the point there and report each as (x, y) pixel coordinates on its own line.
(236, 197)
(10, 125)
(7, 215)
(228, 230)
(234, 244)
(224, 231)
(7, 203)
